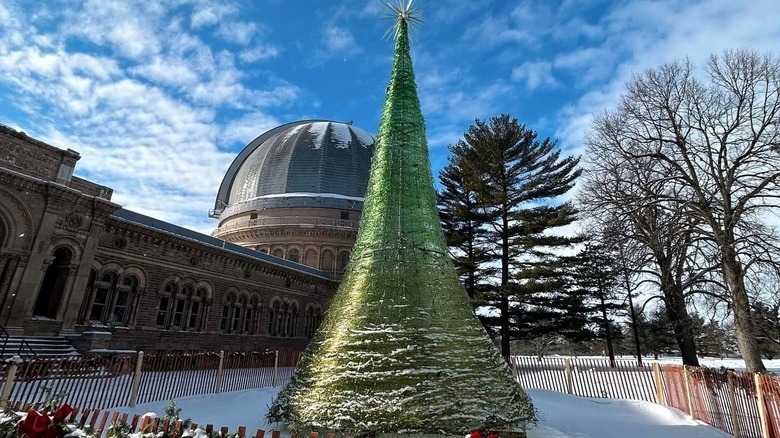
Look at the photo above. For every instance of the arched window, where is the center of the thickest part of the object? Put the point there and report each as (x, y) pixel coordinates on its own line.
(292, 321)
(124, 294)
(313, 319)
(310, 259)
(278, 252)
(227, 307)
(283, 322)
(274, 318)
(196, 309)
(180, 306)
(327, 261)
(163, 309)
(317, 318)
(249, 318)
(294, 255)
(308, 326)
(343, 260)
(103, 293)
(238, 314)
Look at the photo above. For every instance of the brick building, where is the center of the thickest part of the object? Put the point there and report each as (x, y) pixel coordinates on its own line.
(74, 264)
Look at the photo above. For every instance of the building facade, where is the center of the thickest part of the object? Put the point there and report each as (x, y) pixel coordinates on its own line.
(74, 264)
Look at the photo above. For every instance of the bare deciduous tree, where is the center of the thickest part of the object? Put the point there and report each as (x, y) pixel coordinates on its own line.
(618, 193)
(715, 154)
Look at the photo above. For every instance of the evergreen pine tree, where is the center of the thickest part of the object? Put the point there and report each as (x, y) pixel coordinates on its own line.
(515, 179)
(595, 276)
(462, 224)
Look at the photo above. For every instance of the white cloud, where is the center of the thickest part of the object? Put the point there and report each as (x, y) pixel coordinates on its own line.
(137, 95)
(211, 14)
(339, 40)
(535, 74)
(247, 128)
(238, 32)
(167, 71)
(258, 53)
(127, 28)
(644, 34)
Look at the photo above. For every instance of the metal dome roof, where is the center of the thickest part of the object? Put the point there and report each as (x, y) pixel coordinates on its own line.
(310, 163)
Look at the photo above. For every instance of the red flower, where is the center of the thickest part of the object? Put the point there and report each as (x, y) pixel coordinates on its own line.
(476, 434)
(37, 425)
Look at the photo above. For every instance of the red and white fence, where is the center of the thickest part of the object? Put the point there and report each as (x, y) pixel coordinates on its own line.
(745, 405)
(105, 381)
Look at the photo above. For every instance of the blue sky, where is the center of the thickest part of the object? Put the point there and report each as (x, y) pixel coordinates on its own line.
(160, 96)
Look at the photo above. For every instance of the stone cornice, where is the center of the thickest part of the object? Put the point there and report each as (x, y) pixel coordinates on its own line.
(13, 178)
(249, 284)
(24, 137)
(121, 227)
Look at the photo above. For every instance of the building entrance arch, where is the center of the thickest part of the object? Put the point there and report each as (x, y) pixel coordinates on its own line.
(53, 286)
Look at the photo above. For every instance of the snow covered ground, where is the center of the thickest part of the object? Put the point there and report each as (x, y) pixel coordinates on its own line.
(560, 415)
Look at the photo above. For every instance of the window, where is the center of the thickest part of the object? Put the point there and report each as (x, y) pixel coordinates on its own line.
(327, 261)
(292, 321)
(278, 252)
(109, 299)
(274, 316)
(345, 215)
(252, 215)
(293, 255)
(193, 323)
(122, 302)
(225, 323)
(248, 321)
(238, 314)
(178, 312)
(251, 310)
(196, 304)
(162, 311)
(313, 316)
(224, 318)
(343, 260)
(281, 327)
(103, 294)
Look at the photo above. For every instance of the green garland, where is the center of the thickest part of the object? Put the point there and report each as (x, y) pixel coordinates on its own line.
(400, 349)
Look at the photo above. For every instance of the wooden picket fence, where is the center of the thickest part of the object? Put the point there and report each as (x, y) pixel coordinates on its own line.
(106, 381)
(743, 404)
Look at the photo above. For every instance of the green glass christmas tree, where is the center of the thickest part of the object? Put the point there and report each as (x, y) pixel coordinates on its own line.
(400, 349)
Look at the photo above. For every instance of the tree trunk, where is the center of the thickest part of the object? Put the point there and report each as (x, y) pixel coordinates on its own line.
(505, 325)
(743, 321)
(681, 323)
(607, 331)
(634, 325)
(505, 351)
